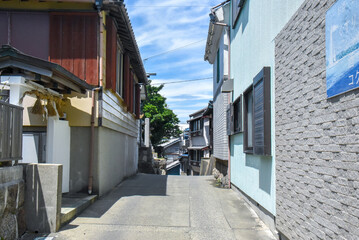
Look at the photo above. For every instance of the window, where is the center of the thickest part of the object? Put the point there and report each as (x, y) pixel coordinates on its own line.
(200, 155)
(4, 95)
(237, 115)
(257, 122)
(196, 125)
(248, 120)
(119, 71)
(237, 6)
(234, 117)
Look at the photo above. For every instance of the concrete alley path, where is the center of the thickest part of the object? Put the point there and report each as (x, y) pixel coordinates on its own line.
(167, 207)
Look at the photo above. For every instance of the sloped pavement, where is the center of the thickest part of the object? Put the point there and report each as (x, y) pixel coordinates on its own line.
(167, 207)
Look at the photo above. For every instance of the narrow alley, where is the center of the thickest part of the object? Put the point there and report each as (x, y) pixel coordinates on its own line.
(166, 207)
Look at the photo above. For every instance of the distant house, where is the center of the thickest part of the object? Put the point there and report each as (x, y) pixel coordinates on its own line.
(173, 168)
(246, 29)
(200, 139)
(172, 149)
(76, 69)
(217, 54)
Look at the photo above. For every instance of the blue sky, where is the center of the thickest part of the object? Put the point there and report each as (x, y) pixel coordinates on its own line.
(162, 26)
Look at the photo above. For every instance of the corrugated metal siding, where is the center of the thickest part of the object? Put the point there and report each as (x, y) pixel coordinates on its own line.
(74, 44)
(220, 138)
(115, 117)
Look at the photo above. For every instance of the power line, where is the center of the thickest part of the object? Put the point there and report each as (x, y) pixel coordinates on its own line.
(191, 80)
(164, 6)
(175, 49)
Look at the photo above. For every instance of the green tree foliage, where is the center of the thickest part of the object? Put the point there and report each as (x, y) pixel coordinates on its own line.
(163, 121)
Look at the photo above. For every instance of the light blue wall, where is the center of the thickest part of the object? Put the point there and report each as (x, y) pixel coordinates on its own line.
(252, 48)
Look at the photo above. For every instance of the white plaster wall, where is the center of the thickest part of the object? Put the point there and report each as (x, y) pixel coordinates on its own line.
(117, 158)
(58, 147)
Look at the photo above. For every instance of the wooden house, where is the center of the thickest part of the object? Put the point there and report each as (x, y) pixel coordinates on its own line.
(76, 69)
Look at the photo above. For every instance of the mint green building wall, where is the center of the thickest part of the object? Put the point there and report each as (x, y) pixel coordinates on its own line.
(252, 48)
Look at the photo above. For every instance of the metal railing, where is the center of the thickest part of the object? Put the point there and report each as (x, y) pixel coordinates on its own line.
(10, 132)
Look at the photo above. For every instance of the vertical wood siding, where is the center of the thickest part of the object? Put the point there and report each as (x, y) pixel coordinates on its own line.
(138, 101)
(131, 103)
(111, 50)
(74, 44)
(3, 28)
(126, 79)
(29, 32)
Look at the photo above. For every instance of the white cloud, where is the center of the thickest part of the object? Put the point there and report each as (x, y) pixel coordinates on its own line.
(159, 29)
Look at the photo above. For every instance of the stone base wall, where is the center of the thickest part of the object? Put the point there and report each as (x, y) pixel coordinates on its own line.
(12, 192)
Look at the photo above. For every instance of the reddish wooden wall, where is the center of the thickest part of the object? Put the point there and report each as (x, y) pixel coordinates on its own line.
(74, 44)
(29, 32)
(138, 101)
(126, 78)
(111, 52)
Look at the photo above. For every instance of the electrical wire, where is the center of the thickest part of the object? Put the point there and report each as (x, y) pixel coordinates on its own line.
(175, 49)
(164, 6)
(191, 80)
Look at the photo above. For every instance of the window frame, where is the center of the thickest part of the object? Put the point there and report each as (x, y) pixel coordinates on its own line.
(237, 117)
(246, 148)
(261, 115)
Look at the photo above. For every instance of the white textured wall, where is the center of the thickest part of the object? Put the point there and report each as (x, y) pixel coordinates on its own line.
(220, 137)
(117, 144)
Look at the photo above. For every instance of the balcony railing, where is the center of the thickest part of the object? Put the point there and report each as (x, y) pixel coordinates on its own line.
(10, 132)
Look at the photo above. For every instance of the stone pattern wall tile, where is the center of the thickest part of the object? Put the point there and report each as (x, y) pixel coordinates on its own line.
(12, 194)
(317, 139)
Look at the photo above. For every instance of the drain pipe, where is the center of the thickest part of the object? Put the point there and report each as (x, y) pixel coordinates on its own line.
(93, 108)
(229, 100)
(92, 139)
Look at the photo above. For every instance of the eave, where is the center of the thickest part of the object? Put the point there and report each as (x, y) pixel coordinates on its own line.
(48, 74)
(119, 13)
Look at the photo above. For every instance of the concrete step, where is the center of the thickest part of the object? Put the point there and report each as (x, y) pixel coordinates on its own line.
(73, 204)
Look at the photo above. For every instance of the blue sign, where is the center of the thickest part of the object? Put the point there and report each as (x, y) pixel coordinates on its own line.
(342, 47)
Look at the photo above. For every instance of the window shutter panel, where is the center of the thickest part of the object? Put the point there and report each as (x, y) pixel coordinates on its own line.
(126, 79)
(230, 119)
(261, 113)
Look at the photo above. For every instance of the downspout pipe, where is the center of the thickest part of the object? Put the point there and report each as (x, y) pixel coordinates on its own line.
(92, 139)
(229, 100)
(98, 4)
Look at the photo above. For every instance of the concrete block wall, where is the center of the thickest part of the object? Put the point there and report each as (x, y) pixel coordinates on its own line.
(317, 150)
(12, 194)
(43, 197)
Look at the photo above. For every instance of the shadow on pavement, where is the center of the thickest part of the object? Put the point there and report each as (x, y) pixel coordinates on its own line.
(138, 185)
